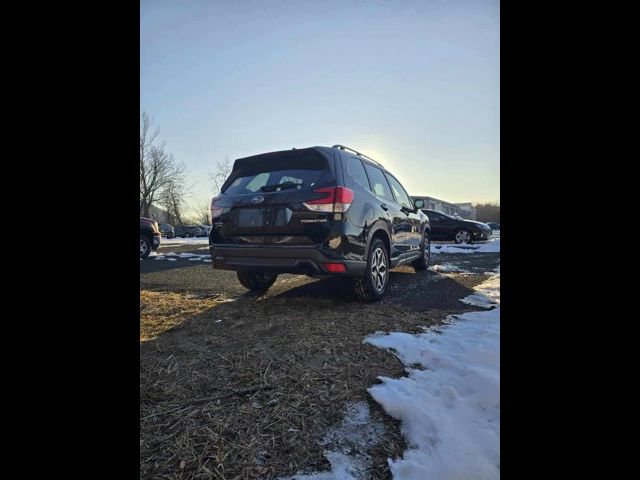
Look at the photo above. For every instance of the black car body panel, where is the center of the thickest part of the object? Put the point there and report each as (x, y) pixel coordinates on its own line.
(149, 229)
(273, 215)
(445, 227)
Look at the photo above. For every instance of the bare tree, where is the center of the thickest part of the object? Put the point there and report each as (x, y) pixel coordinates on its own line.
(488, 212)
(220, 175)
(159, 170)
(203, 214)
(172, 201)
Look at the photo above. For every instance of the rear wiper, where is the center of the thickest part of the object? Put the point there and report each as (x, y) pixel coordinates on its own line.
(281, 186)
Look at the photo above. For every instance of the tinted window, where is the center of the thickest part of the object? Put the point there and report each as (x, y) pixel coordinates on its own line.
(434, 216)
(272, 172)
(379, 184)
(401, 196)
(355, 172)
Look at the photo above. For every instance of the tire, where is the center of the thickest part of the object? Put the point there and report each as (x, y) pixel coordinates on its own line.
(422, 263)
(367, 288)
(170, 235)
(257, 281)
(145, 246)
(463, 236)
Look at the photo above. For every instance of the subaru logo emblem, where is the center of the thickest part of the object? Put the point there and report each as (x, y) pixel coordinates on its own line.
(257, 200)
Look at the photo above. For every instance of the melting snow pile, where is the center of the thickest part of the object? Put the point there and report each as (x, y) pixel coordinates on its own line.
(446, 267)
(450, 407)
(490, 246)
(487, 293)
(184, 255)
(346, 446)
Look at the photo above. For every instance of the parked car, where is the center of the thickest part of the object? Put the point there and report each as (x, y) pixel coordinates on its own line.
(187, 231)
(316, 211)
(167, 230)
(206, 229)
(494, 225)
(149, 236)
(459, 230)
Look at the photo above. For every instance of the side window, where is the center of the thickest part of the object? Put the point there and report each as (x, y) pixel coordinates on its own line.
(379, 184)
(434, 217)
(401, 196)
(355, 172)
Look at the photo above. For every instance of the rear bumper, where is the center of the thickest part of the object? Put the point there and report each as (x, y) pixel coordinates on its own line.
(297, 260)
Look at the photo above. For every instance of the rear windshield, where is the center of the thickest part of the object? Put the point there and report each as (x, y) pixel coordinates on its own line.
(279, 171)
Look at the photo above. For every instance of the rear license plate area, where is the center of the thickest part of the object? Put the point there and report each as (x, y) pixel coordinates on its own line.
(250, 217)
(263, 217)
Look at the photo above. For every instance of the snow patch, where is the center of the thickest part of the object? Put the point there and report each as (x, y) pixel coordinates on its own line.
(446, 267)
(186, 241)
(487, 293)
(450, 407)
(346, 446)
(490, 246)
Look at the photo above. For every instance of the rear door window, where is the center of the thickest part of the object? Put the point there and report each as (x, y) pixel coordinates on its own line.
(355, 172)
(378, 182)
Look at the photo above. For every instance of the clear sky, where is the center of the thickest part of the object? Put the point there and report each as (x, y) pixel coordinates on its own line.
(414, 84)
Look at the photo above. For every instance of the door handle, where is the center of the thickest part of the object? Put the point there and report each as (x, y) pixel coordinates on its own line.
(384, 207)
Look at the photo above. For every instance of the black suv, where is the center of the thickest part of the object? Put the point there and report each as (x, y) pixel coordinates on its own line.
(316, 211)
(149, 236)
(459, 230)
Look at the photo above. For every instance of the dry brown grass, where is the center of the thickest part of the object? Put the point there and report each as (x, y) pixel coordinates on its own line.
(161, 311)
(246, 389)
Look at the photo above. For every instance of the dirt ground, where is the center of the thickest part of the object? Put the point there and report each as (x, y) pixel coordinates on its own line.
(235, 386)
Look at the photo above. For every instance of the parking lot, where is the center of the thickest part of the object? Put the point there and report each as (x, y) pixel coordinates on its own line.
(235, 385)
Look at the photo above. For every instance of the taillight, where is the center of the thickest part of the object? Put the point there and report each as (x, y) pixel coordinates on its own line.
(334, 267)
(337, 199)
(215, 211)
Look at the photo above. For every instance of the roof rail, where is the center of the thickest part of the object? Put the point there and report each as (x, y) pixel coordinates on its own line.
(342, 147)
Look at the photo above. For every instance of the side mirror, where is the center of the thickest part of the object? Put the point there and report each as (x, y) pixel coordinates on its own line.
(418, 203)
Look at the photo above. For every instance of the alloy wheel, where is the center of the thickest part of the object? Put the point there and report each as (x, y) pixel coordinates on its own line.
(379, 269)
(463, 237)
(426, 253)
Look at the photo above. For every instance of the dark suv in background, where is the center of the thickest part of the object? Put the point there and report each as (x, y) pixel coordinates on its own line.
(149, 236)
(316, 211)
(187, 231)
(167, 230)
(459, 230)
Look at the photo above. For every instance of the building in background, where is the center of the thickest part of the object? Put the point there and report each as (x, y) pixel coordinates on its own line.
(464, 210)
